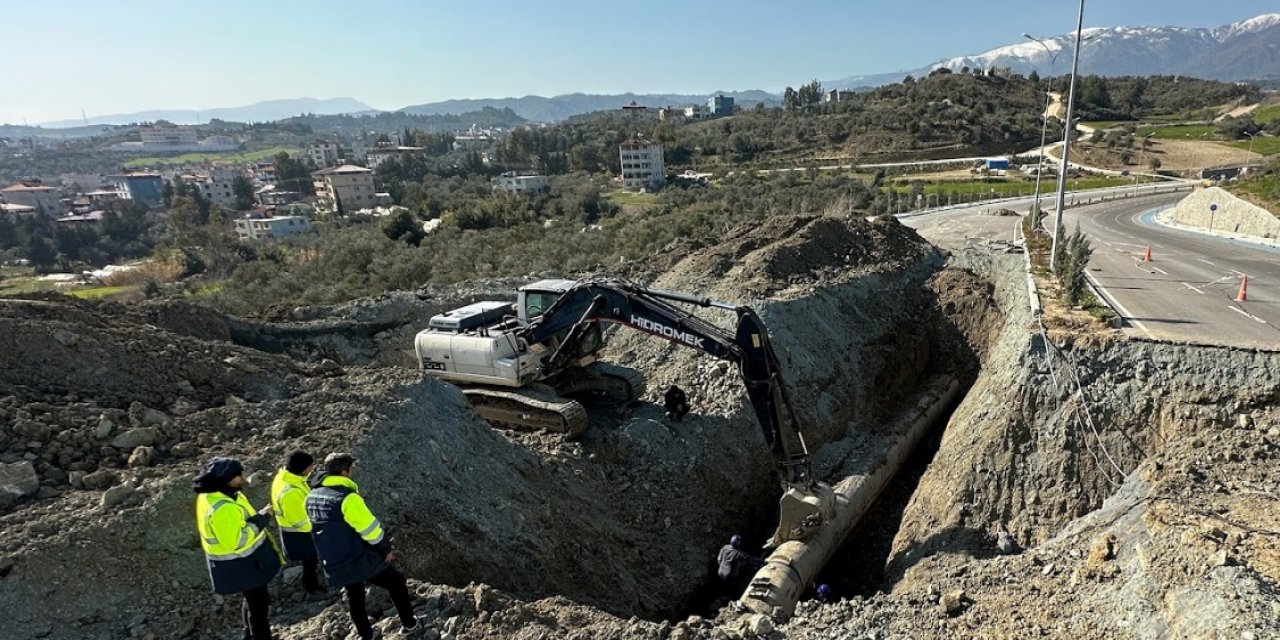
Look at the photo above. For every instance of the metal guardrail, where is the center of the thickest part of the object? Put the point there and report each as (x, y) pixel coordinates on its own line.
(1074, 198)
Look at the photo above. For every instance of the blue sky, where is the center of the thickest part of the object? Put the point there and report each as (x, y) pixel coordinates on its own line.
(136, 55)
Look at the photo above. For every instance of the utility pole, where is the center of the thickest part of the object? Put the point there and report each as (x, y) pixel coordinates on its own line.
(1066, 143)
(1044, 119)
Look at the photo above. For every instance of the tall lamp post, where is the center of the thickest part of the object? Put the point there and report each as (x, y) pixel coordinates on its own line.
(1251, 136)
(1044, 117)
(1066, 143)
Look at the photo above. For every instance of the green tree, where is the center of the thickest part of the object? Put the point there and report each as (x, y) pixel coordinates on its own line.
(1154, 164)
(1078, 251)
(41, 253)
(404, 227)
(242, 190)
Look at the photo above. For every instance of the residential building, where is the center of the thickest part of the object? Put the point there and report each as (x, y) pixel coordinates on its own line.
(89, 219)
(13, 211)
(168, 136)
(324, 153)
(42, 198)
(271, 196)
(642, 165)
(348, 186)
(516, 184)
(264, 227)
(720, 106)
(694, 113)
(383, 152)
(835, 95)
(470, 142)
(146, 189)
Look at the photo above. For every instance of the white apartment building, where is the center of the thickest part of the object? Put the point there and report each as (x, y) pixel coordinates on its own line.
(514, 184)
(642, 165)
(272, 227)
(39, 197)
(161, 136)
(324, 153)
(349, 185)
(381, 153)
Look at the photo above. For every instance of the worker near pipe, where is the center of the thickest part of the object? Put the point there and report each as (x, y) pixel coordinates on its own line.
(241, 556)
(288, 498)
(735, 566)
(676, 402)
(352, 545)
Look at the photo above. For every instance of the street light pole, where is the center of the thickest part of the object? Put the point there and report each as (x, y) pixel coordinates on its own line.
(1251, 136)
(1044, 118)
(1066, 143)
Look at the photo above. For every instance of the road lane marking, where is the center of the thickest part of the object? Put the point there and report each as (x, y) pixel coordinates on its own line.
(1124, 313)
(1160, 270)
(1209, 263)
(1193, 288)
(1246, 313)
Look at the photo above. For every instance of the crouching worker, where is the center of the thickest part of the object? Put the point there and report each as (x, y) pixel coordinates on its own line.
(352, 545)
(288, 498)
(241, 558)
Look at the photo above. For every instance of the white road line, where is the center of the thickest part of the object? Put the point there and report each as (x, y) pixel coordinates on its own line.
(1160, 270)
(1193, 288)
(1206, 262)
(1124, 313)
(1241, 274)
(1246, 313)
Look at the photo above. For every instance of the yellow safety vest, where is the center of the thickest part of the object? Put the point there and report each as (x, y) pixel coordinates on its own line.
(289, 497)
(225, 532)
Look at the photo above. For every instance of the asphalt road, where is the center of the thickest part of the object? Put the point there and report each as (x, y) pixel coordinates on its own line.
(1188, 291)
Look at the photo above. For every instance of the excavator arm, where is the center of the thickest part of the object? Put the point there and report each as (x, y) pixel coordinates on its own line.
(651, 311)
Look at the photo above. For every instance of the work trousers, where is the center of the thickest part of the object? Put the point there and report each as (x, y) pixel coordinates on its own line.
(257, 614)
(310, 577)
(393, 582)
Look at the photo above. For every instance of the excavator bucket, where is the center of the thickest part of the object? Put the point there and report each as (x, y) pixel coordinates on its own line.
(802, 511)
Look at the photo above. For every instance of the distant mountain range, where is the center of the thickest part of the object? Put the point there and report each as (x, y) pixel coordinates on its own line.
(560, 107)
(256, 112)
(1248, 50)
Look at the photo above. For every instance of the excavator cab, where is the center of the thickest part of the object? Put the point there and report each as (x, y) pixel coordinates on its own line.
(534, 299)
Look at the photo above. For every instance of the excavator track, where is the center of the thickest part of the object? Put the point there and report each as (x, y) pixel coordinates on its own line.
(614, 383)
(533, 408)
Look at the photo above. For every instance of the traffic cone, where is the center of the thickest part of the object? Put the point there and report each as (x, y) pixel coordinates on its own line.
(1146, 257)
(1243, 296)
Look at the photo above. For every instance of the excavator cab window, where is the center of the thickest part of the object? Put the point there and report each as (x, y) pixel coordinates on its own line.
(536, 302)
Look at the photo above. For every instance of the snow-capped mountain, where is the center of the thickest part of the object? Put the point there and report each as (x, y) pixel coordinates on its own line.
(1248, 50)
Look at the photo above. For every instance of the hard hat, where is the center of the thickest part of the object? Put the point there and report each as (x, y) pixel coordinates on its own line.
(735, 541)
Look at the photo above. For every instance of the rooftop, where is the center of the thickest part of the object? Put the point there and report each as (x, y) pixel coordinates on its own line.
(24, 187)
(344, 169)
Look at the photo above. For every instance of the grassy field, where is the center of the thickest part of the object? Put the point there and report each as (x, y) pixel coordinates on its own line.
(229, 157)
(620, 197)
(1107, 124)
(22, 280)
(1265, 145)
(1267, 114)
(1264, 190)
(1178, 132)
(1006, 189)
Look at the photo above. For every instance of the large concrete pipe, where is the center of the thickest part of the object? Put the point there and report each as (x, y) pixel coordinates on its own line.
(792, 566)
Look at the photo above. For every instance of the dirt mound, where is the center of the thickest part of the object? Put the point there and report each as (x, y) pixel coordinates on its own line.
(793, 252)
(626, 520)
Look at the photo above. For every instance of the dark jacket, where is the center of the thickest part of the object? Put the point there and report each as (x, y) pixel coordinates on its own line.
(346, 556)
(735, 564)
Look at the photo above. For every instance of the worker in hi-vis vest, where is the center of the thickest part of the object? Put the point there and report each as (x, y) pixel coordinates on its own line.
(289, 499)
(242, 558)
(352, 545)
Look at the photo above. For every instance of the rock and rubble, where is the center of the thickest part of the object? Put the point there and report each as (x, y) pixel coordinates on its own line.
(1150, 514)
